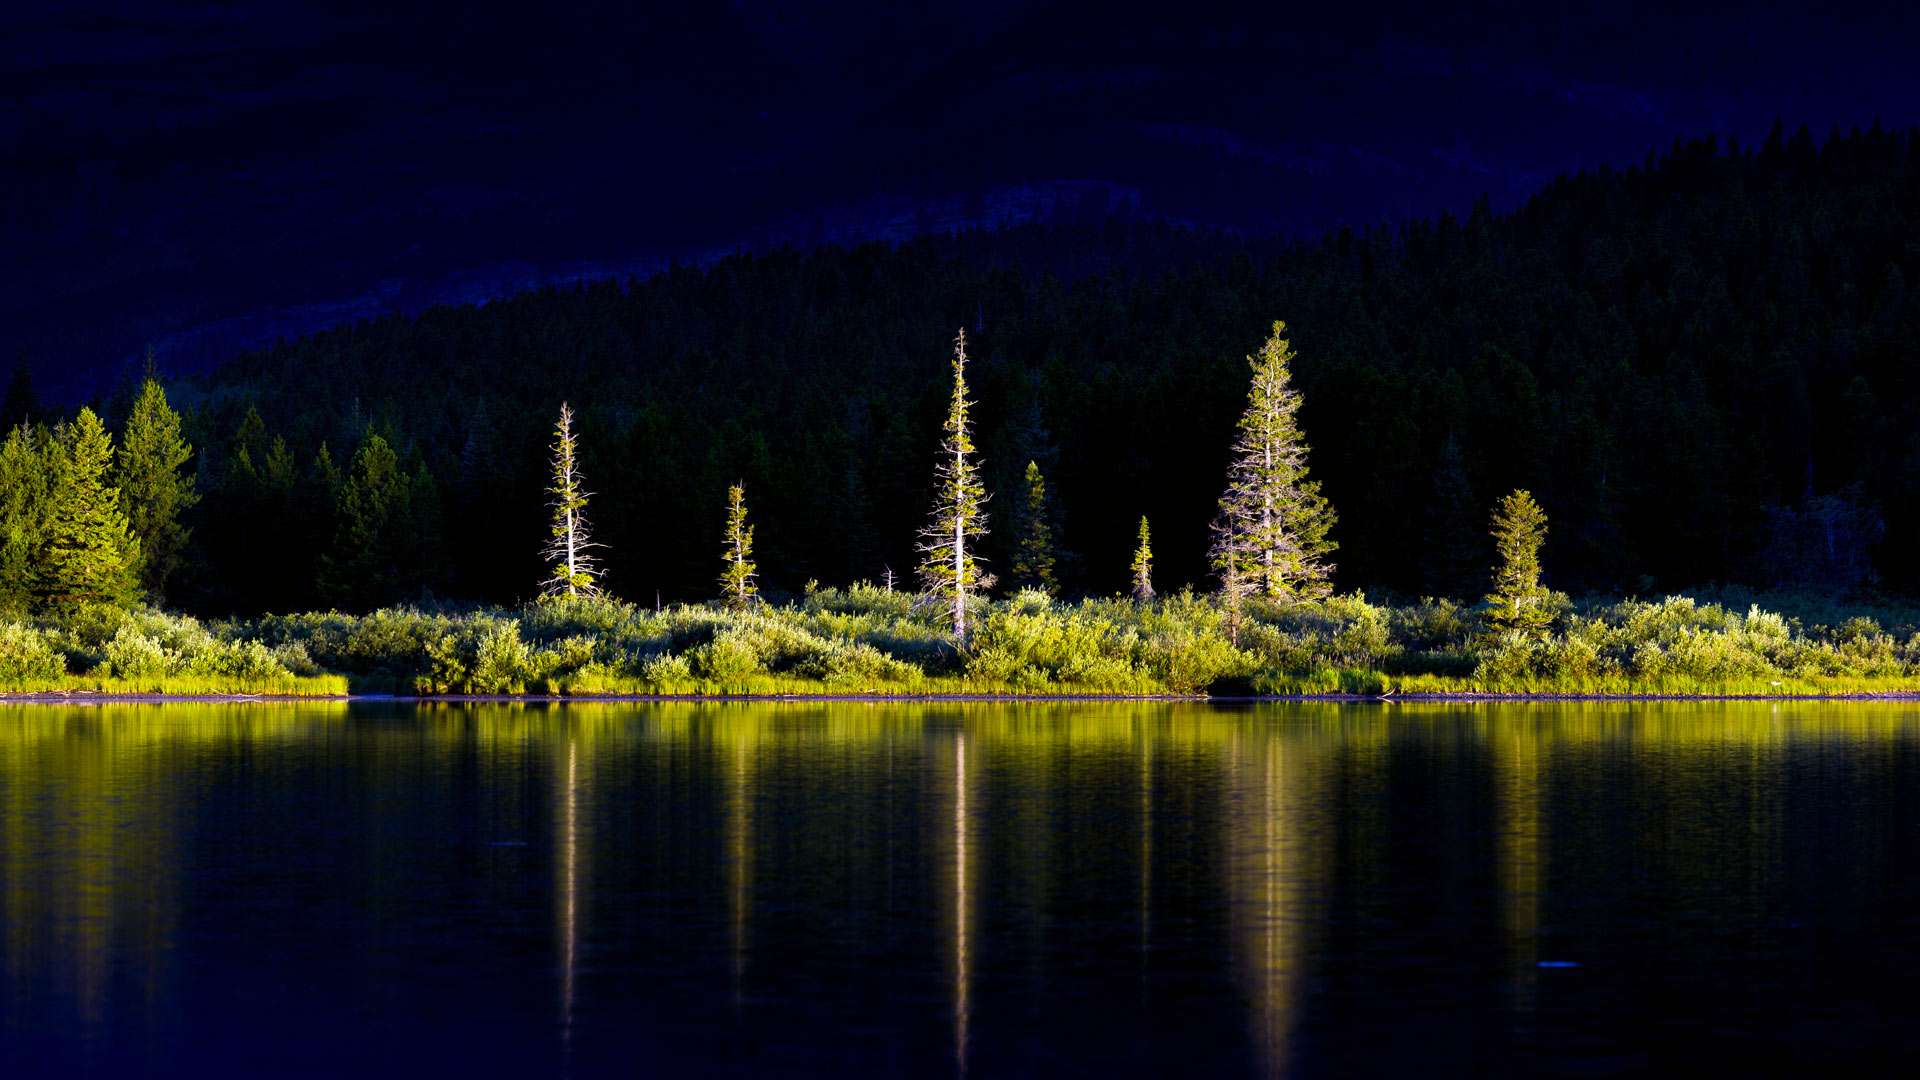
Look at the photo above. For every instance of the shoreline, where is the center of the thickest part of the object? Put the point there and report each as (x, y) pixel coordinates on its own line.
(87, 697)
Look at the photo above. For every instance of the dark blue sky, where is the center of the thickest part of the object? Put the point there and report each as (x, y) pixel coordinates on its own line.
(208, 176)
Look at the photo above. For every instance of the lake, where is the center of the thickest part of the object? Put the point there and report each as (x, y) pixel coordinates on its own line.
(984, 890)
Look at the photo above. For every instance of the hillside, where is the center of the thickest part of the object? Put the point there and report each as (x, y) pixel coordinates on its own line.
(1702, 366)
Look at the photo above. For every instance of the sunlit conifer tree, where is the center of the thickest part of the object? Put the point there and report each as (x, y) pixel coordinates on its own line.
(574, 568)
(1517, 601)
(26, 501)
(949, 569)
(737, 582)
(1143, 565)
(1270, 538)
(154, 491)
(1033, 562)
(90, 556)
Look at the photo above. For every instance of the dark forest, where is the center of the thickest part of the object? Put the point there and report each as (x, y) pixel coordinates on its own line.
(1703, 367)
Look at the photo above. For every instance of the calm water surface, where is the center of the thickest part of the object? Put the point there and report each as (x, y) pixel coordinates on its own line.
(985, 890)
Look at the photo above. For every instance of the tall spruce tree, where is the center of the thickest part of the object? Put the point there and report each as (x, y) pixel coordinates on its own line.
(1023, 440)
(154, 491)
(737, 588)
(574, 569)
(1270, 537)
(949, 568)
(371, 517)
(26, 499)
(1454, 548)
(1033, 560)
(90, 557)
(1517, 601)
(1143, 565)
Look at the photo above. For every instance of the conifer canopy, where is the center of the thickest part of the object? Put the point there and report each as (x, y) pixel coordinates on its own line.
(90, 556)
(153, 490)
(1517, 601)
(737, 580)
(1270, 536)
(949, 568)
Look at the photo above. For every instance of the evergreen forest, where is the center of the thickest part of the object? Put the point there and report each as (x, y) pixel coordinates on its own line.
(1701, 370)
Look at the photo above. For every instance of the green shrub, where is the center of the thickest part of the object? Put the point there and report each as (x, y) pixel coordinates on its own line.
(729, 657)
(133, 655)
(666, 669)
(1188, 662)
(27, 659)
(856, 663)
(500, 662)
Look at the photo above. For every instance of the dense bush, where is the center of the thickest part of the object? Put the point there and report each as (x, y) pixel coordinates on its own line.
(867, 639)
(27, 658)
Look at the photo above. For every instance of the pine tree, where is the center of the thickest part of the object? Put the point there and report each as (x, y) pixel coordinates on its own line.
(423, 555)
(153, 490)
(949, 568)
(1517, 601)
(315, 499)
(1453, 544)
(1270, 537)
(575, 569)
(1025, 438)
(1143, 566)
(26, 497)
(736, 582)
(1033, 561)
(372, 512)
(90, 557)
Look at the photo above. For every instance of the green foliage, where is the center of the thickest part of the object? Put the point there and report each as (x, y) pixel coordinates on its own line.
(573, 567)
(737, 588)
(949, 566)
(27, 659)
(1664, 349)
(1270, 536)
(1033, 560)
(89, 556)
(372, 535)
(728, 658)
(501, 661)
(153, 490)
(1518, 603)
(1142, 565)
(863, 641)
(29, 469)
(133, 655)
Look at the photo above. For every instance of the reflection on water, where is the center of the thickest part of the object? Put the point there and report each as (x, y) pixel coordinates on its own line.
(1515, 748)
(995, 889)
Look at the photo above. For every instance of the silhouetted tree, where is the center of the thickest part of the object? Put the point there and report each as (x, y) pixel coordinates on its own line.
(1453, 560)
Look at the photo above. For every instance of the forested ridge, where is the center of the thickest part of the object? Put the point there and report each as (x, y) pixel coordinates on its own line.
(1702, 368)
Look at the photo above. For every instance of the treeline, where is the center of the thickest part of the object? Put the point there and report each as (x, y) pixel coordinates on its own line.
(1702, 368)
(85, 523)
